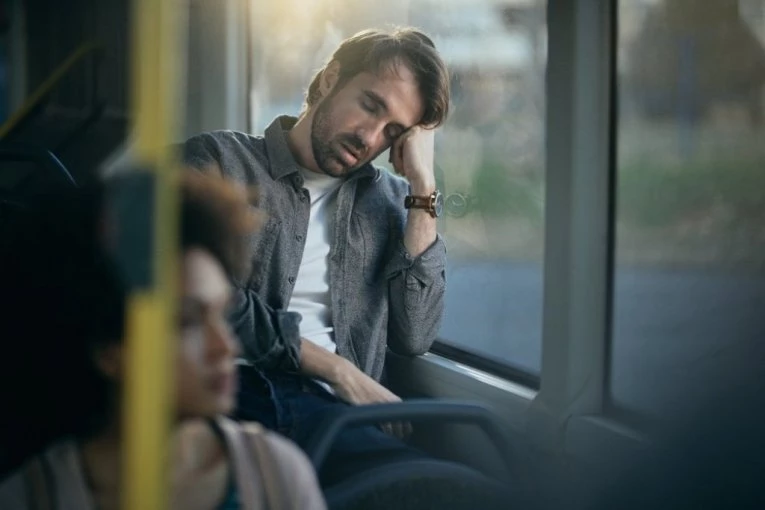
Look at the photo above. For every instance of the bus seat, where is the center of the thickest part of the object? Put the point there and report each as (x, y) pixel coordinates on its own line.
(414, 484)
(26, 170)
(45, 163)
(420, 485)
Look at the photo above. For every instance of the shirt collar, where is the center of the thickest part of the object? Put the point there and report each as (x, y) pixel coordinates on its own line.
(279, 153)
(282, 161)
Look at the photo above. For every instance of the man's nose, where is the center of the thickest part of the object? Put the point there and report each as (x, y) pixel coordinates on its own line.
(370, 135)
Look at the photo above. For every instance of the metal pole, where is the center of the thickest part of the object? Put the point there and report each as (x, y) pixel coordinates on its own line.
(148, 409)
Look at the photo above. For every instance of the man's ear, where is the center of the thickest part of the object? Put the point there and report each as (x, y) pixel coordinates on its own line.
(108, 359)
(329, 78)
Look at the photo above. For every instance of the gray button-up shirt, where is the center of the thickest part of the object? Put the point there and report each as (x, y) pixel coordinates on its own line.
(380, 295)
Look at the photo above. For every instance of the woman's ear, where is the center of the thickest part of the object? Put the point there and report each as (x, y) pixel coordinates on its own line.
(108, 359)
(329, 78)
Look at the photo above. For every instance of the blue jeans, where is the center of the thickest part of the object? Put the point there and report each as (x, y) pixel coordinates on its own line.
(293, 404)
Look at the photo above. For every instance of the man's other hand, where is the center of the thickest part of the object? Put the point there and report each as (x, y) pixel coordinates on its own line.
(349, 383)
(355, 387)
(412, 157)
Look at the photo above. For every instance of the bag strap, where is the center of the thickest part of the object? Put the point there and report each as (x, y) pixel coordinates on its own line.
(38, 485)
(245, 475)
(253, 460)
(276, 491)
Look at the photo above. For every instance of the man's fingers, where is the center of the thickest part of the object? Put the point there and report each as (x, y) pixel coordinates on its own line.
(392, 429)
(399, 429)
(397, 157)
(398, 148)
(404, 429)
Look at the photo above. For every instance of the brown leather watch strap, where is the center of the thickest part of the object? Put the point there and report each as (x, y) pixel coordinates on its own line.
(417, 202)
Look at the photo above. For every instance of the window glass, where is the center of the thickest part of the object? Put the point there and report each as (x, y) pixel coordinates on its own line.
(690, 234)
(489, 155)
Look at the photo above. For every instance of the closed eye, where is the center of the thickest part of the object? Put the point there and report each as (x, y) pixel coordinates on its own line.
(370, 106)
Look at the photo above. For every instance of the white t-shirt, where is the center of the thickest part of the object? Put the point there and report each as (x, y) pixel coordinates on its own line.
(310, 296)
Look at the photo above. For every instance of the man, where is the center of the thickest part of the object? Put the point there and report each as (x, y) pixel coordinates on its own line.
(350, 249)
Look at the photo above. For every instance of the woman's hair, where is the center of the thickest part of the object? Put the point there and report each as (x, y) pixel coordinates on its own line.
(64, 296)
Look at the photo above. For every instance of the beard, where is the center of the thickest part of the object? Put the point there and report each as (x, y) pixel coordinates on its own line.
(326, 145)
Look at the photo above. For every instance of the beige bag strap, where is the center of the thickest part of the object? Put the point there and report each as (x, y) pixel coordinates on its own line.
(255, 462)
(276, 491)
(245, 476)
(38, 487)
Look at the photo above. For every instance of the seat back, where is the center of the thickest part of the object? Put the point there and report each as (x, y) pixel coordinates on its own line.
(419, 485)
(25, 172)
(406, 483)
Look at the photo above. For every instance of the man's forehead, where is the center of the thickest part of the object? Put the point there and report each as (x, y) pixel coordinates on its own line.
(390, 72)
(397, 85)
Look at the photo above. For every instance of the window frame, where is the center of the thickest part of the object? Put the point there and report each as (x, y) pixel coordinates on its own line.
(580, 172)
(579, 212)
(503, 369)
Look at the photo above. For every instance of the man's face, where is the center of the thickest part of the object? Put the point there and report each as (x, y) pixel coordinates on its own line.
(361, 118)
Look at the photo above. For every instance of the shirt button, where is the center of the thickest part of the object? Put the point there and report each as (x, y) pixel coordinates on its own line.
(299, 237)
(302, 198)
(291, 279)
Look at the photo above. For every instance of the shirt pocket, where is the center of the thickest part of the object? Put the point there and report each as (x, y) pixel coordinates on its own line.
(377, 242)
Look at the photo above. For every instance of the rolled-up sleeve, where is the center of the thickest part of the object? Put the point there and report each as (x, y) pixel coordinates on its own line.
(416, 297)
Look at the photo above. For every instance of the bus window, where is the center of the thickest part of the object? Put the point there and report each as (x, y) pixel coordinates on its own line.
(489, 154)
(689, 273)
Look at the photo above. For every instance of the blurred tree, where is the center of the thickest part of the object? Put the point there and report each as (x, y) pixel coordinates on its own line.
(689, 56)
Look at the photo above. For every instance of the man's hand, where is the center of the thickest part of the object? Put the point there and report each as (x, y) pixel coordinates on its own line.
(355, 387)
(412, 158)
(350, 384)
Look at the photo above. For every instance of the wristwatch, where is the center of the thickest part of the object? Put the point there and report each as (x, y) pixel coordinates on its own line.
(433, 203)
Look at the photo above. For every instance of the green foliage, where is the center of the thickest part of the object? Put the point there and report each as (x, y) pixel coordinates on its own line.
(648, 195)
(507, 192)
(651, 195)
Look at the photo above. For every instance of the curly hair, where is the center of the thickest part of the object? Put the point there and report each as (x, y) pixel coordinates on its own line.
(64, 296)
(216, 215)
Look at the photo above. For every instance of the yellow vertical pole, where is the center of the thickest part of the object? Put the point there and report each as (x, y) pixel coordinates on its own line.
(157, 55)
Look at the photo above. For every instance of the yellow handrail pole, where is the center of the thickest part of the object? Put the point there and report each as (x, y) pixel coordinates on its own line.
(47, 86)
(157, 53)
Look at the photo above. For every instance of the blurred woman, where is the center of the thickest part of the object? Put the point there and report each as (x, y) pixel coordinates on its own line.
(63, 307)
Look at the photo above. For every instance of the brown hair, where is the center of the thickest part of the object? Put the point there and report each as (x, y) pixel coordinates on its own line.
(375, 50)
(67, 297)
(216, 215)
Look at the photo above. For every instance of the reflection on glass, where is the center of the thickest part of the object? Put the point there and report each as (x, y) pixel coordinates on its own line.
(690, 270)
(489, 155)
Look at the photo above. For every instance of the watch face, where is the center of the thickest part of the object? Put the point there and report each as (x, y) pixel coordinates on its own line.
(438, 205)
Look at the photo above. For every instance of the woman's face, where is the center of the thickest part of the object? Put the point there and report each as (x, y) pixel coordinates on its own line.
(205, 370)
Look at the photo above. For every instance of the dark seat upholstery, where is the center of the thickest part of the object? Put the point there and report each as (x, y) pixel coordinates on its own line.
(418, 485)
(414, 484)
